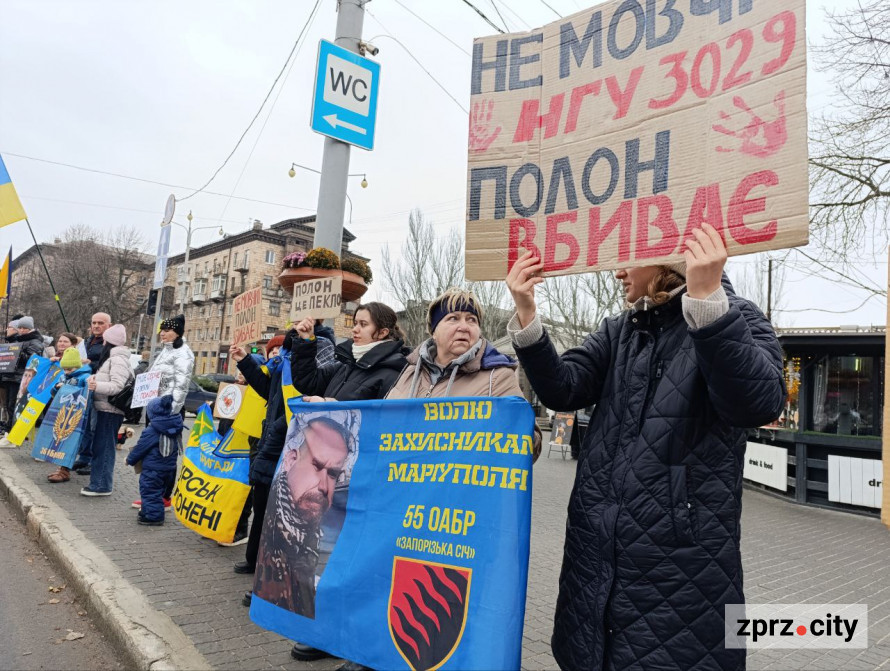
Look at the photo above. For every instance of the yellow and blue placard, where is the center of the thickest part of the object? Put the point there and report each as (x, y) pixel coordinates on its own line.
(58, 439)
(212, 487)
(397, 532)
(11, 209)
(39, 392)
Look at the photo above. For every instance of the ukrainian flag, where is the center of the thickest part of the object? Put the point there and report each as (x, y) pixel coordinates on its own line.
(6, 277)
(11, 209)
(288, 390)
(233, 444)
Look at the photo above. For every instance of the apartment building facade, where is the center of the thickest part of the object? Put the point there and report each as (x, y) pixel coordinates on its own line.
(205, 288)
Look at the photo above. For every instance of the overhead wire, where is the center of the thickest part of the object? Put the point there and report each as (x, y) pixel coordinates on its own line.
(482, 14)
(429, 25)
(515, 15)
(550, 7)
(501, 16)
(151, 181)
(300, 42)
(262, 105)
(414, 58)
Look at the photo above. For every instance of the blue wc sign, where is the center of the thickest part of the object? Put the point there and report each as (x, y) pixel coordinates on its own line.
(344, 106)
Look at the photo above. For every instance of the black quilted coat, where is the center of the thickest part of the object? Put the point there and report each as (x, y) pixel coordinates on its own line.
(652, 537)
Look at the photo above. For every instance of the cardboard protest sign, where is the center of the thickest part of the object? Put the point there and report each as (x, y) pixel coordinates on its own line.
(229, 399)
(604, 139)
(60, 434)
(319, 298)
(410, 546)
(247, 317)
(145, 388)
(9, 356)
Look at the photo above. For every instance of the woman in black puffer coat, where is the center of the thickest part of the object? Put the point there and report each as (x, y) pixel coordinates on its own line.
(365, 367)
(652, 538)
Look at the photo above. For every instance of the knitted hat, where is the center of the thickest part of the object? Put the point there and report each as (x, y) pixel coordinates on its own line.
(26, 323)
(276, 341)
(176, 324)
(453, 300)
(14, 324)
(71, 358)
(115, 335)
(679, 267)
(163, 405)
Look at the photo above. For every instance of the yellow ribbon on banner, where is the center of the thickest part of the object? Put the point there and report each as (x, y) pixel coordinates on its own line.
(251, 415)
(27, 421)
(208, 505)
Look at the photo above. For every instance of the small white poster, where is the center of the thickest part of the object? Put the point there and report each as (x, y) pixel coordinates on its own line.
(145, 388)
(767, 464)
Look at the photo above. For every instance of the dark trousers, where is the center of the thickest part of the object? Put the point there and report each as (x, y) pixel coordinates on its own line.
(12, 389)
(260, 498)
(241, 528)
(152, 485)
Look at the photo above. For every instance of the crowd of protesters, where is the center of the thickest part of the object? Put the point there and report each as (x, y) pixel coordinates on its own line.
(674, 380)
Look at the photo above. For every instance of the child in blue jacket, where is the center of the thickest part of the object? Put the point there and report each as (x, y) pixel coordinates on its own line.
(157, 449)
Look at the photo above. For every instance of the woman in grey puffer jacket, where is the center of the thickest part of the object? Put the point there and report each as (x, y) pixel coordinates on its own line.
(175, 361)
(112, 376)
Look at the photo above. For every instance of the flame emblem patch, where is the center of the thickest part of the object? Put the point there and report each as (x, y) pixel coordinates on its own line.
(427, 610)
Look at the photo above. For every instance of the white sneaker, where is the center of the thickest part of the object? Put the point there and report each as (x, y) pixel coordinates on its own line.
(86, 491)
(6, 442)
(237, 541)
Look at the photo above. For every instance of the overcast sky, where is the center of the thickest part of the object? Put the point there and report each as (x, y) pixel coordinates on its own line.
(163, 90)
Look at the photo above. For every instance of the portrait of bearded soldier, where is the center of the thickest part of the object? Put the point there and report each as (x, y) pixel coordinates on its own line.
(302, 492)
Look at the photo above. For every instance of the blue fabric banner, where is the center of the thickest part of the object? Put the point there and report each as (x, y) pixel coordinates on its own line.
(60, 433)
(46, 374)
(397, 532)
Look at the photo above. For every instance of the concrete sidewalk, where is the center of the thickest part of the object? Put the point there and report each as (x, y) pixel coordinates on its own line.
(171, 600)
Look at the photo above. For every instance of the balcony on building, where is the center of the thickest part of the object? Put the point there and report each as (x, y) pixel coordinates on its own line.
(218, 288)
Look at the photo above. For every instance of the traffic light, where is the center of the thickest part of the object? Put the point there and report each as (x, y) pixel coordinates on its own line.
(254, 349)
(141, 343)
(151, 306)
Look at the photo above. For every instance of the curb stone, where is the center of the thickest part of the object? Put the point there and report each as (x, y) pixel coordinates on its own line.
(148, 638)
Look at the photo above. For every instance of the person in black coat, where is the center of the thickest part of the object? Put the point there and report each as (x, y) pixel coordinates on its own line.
(652, 539)
(271, 443)
(365, 367)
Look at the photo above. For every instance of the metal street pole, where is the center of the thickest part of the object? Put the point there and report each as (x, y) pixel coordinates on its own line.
(335, 162)
(185, 263)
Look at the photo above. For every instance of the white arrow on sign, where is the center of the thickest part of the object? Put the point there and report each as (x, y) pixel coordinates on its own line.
(334, 121)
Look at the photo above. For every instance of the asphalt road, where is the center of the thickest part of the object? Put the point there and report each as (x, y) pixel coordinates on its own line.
(34, 620)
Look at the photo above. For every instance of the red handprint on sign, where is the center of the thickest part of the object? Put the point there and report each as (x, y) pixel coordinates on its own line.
(481, 135)
(758, 137)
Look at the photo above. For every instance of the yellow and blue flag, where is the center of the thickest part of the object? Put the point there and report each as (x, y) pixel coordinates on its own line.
(6, 275)
(203, 424)
(11, 209)
(288, 390)
(233, 445)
